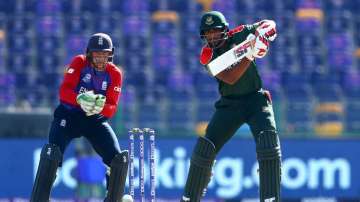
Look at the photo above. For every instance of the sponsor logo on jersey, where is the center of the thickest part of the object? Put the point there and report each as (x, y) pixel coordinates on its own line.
(86, 78)
(82, 90)
(104, 85)
(117, 89)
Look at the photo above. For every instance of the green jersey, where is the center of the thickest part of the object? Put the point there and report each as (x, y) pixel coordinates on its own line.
(250, 80)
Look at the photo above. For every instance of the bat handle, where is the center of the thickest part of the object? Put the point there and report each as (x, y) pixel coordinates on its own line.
(251, 38)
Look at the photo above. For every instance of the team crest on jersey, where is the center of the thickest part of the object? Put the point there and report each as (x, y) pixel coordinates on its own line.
(86, 78)
(104, 85)
(209, 20)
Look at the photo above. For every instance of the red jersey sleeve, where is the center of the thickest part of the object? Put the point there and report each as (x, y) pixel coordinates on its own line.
(71, 79)
(206, 55)
(113, 92)
(237, 29)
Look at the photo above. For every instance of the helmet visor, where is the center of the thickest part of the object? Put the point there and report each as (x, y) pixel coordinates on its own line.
(214, 38)
(100, 58)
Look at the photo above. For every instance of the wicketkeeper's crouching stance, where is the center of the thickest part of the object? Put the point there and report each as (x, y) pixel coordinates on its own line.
(229, 56)
(89, 95)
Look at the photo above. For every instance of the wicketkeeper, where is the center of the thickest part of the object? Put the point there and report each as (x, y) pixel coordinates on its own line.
(243, 100)
(89, 95)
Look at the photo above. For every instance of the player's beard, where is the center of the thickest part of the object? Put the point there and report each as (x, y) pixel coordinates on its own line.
(216, 42)
(99, 63)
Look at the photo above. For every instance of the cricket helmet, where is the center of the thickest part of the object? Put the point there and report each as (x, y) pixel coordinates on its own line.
(213, 20)
(100, 42)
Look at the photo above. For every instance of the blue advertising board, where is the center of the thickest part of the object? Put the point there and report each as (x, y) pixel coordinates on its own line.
(311, 168)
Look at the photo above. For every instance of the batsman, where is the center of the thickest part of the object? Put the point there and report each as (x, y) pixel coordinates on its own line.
(243, 100)
(89, 96)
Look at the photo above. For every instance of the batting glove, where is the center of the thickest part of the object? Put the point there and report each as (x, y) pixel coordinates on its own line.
(261, 47)
(86, 101)
(249, 55)
(267, 29)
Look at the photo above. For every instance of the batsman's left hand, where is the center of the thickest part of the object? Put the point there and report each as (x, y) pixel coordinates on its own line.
(250, 54)
(261, 47)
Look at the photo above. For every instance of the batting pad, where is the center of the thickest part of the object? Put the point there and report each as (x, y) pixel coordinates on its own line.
(269, 157)
(200, 169)
(50, 159)
(117, 179)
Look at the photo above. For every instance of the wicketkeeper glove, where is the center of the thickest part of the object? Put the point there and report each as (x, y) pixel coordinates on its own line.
(86, 101)
(99, 104)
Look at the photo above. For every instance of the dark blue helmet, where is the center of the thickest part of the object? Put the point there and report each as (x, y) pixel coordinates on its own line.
(100, 42)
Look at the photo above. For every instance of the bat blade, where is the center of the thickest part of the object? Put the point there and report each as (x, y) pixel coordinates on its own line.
(231, 56)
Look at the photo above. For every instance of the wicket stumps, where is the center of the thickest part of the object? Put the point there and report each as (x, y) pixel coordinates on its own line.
(141, 135)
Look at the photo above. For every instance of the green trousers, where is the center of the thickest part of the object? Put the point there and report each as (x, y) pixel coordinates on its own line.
(255, 109)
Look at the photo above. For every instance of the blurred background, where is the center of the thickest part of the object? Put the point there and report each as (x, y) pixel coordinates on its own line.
(312, 71)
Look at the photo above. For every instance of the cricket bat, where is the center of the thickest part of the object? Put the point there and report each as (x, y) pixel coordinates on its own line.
(231, 56)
